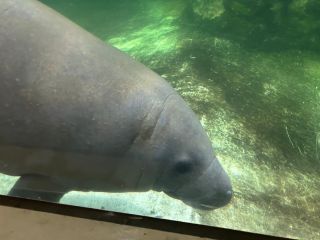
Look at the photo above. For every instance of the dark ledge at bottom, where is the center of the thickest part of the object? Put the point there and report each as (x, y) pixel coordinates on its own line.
(132, 220)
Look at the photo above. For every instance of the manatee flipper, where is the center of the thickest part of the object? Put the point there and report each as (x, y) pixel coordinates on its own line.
(37, 187)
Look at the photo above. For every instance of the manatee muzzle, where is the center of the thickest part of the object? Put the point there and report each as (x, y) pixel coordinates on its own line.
(209, 191)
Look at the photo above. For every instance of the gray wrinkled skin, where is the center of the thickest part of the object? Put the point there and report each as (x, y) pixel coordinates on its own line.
(77, 114)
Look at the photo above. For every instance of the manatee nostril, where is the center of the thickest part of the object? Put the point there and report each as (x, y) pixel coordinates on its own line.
(225, 196)
(229, 195)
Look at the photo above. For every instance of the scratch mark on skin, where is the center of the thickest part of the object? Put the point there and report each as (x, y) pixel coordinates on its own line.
(5, 10)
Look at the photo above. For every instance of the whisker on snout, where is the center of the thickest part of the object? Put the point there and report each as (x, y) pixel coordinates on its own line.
(207, 206)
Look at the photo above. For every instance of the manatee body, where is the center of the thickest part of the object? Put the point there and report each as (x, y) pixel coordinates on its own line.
(77, 114)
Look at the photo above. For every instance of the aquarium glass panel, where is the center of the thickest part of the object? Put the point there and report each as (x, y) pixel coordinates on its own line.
(199, 111)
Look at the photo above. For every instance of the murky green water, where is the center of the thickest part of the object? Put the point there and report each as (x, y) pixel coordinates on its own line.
(252, 74)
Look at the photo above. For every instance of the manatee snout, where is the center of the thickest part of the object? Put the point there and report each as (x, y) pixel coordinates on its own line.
(209, 191)
(189, 172)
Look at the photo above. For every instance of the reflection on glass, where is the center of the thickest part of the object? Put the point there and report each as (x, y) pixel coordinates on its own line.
(84, 124)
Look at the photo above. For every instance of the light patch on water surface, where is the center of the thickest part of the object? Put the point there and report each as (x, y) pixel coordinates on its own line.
(6, 183)
(149, 203)
(155, 38)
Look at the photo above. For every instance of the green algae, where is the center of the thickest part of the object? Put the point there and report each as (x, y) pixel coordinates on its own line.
(140, 44)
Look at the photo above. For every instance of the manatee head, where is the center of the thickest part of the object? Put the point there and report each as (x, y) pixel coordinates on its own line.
(189, 170)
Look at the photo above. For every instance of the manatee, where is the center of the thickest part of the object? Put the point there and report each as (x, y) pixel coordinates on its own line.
(79, 114)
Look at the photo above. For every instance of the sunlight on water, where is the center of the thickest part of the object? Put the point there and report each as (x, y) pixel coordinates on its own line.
(141, 43)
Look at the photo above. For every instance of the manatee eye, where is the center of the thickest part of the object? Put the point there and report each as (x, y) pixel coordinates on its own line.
(182, 167)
